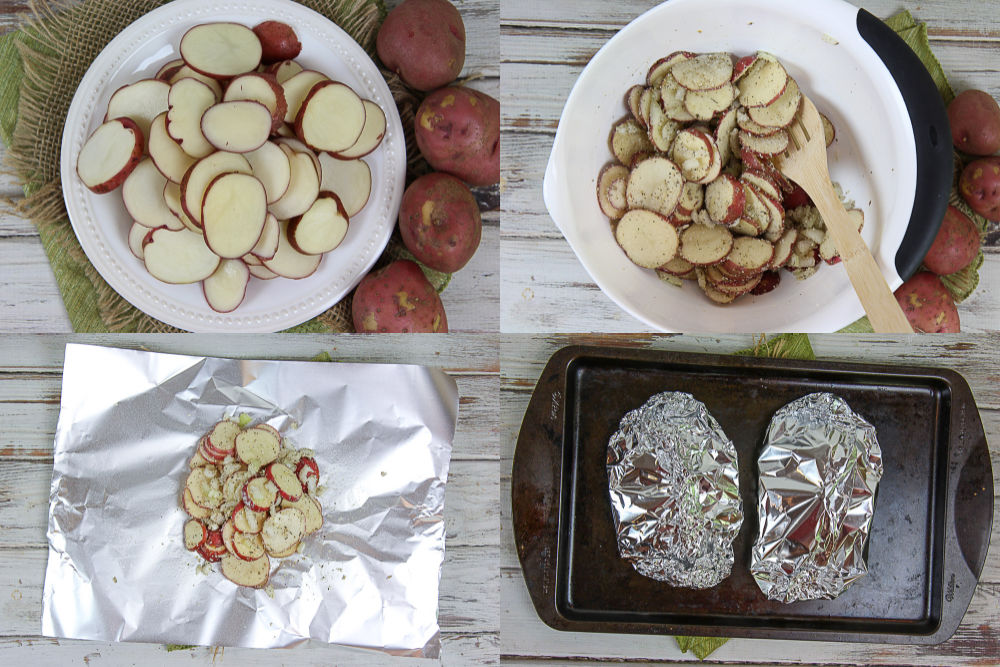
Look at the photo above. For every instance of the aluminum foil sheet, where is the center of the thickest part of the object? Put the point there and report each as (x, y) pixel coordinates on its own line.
(130, 421)
(672, 475)
(819, 470)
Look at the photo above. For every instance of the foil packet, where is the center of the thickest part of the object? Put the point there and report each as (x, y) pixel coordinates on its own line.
(818, 474)
(128, 425)
(672, 475)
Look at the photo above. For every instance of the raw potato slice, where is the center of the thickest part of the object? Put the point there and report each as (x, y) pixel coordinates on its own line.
(195, 534)
(222, 437)
(267, 245)
(351, 180)
(829, 132)
(110, 155)
(649, 97)
(771, 145)
(172, 198)
(284, 70)
(659, 69)
(233, 214)
(695, 153)
(737, 289)
(627, 138)
(143, 197)
(289, 262)
(186, 72)
(221, 50)
(283, 529)
(237, 127)
(246, 520)
(754, 162)
(704, 72)
(178, 257)
(201, 174)
(320, 229)
(616, 193)
(761, 183)
(289, 486)
(725, 199)
(311, 510)
(203, 491)
(705, 104)
(783, 249)
(655, 185)
(692, 197)
(253, 574)
(168, 156)
(307, 470)
(776, 218)
(303, 187)
(226, 288)
(192, 508)
(672, 98)
(632, 97)
(228, 530)
(661, 130)
(331, 118)
(189, 99)
(297, 88)
(782, 111)
(232, 485)
(763, 84)
(291, 145)
(248, 546)
(262, 88)
(259, 494)
(262, 272)
(710, 291)
(648, 239)
(678, 266)
(371, 134)
(723, 135)
(755, 212)
(136, 235)
(257, 447)
(749, 255)
(702, 244)
(270, 165)
(141, 101)
(611, 173)
(748, 125)
(743, 66)
(167, 72)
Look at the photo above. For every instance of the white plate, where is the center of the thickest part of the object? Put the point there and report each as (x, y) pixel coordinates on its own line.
(874, 157)
(101, 222)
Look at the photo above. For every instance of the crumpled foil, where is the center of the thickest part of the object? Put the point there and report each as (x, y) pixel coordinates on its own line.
(675, 497)
(128, 425)
(819, 470)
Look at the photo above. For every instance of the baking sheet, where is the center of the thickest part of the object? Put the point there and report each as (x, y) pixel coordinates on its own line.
(128, 424)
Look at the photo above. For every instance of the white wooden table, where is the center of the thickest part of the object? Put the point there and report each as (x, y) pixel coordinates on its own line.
(30, 377)
(29, 297)
(526, 640)
(545, 47)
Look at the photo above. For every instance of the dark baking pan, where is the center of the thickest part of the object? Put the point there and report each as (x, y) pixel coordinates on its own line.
(923, 564)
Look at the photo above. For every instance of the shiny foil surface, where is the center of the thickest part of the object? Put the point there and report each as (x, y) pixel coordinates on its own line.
(818, 473)
(129, 423)
(672, 476)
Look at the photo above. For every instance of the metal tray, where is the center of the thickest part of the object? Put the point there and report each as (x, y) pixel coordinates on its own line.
(924, 565)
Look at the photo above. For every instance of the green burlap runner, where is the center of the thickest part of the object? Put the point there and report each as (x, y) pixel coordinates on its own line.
(41, 65)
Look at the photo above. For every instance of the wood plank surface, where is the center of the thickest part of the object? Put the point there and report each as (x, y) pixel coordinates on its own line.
(525, 639)
(30, 381)
(545, 47)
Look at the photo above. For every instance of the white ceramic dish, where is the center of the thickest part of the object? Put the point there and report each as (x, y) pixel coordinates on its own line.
(101, 222)
(873, 158)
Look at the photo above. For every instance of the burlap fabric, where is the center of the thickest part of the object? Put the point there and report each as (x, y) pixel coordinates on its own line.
(41, 65)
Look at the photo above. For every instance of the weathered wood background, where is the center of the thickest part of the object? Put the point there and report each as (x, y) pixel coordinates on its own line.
(526, 640)
(546, 45)
(29, 298)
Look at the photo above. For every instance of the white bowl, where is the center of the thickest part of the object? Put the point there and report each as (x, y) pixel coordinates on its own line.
(873, 158)
(101, 222)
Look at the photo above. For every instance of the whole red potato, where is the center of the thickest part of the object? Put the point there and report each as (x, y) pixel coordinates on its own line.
(974, 117)
(440, 223)
(928, 304)
(458, 132)
(423, 41)
(278, 42)
(398, 299)
(955, 246)
(980, 187)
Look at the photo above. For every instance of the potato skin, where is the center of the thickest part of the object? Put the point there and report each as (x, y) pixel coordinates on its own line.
(458, 132)
(928, 304)
(440, 223)
(980, 187)
(424, 42)
(955, 246)
(278, 41)
(974, 117)
(398, 299)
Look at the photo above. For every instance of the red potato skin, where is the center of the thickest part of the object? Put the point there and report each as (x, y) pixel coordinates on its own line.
(278, 41)
(440, 223)
(796, 198)
(458, 132)
(974, 117)
(398, 299)
(928, 304)
(423, 41)
(281, 104)
(137, 152)
(955, 246)
(980, 187)
(293, 224)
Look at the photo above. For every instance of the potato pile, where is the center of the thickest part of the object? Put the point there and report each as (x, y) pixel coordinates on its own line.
(693, 193)
(457, 130)
(235, 161)
(251, 498)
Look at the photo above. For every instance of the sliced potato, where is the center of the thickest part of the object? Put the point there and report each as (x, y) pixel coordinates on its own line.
(648, 239)
(655, 185)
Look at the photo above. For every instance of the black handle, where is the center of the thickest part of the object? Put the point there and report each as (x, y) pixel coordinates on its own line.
(931, 133)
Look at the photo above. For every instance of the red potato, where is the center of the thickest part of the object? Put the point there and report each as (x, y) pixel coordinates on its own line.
(424, 42)
(974, 117)
(458, 132)
(955, 246)
(110, 154)
(440, 223)
(278, 42)
(398, 299)
(928, 305)
(980, 187)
